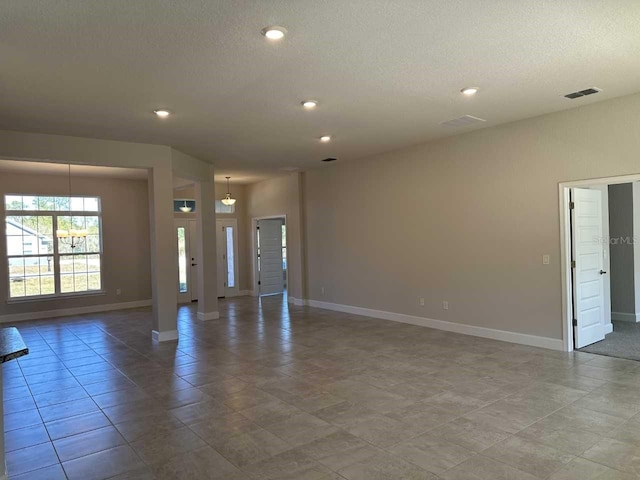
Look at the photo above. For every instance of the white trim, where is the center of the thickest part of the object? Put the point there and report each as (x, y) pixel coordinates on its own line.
(503, 335)
(245, 293)
(208, 315)
(625, 317)
(297, 301)
(565, 247)
(64, 312)
(168, 336)
(608, 328)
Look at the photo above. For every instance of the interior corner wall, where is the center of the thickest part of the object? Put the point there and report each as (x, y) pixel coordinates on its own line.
(125, 235)
(622, 250)
(280, 196)
(464, 219)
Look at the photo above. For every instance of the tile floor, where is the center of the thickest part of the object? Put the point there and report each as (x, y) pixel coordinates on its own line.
(277, 392)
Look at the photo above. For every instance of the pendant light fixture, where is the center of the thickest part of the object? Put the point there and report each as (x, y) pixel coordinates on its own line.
(72, 237)
(228, 200)
(185, 208)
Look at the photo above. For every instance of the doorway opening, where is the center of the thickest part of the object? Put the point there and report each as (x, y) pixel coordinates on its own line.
(270, 255)
(597, 260)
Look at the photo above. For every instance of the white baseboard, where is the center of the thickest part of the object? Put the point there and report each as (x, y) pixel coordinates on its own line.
(168, 336)
(503, 335)
(208, 315)
(297, 301)
(65, 312)
(608, 328)
(244, 293)
(254, 293)
(625, 317)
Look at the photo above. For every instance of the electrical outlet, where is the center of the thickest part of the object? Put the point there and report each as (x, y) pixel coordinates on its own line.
(118, 291)
(422, 302)
(546, 259)
(445, 305)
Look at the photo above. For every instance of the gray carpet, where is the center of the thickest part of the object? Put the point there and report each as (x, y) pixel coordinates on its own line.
(623, 342)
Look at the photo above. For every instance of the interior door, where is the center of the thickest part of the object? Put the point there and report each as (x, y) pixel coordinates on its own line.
(588, 272)
(270, 272)
(193, 255)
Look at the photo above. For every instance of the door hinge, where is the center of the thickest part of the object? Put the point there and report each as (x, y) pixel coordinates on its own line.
(572, 205)
(575, 322)
(573, 264)
(258, 282)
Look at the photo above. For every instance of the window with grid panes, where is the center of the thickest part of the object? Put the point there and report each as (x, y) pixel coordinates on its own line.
(41, 265)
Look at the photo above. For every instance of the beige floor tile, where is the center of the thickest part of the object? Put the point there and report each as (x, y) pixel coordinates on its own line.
(385, 467)
(617, 455)
(159, 449)
(534, 458)
(482, 468)
(250, 447)
(580, 469)
(432, 453)
(105, 464)
(203, 463)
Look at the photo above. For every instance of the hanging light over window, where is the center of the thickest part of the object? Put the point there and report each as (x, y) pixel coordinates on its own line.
(185, 208)
(228, 200)
(72, 237)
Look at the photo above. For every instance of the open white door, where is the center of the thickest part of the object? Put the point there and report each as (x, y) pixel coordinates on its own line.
(270, 271)
(588, 282)
(227, 259)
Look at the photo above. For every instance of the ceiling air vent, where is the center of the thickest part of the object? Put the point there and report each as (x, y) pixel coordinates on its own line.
(330, 159)
(583, 93)
(462, 121)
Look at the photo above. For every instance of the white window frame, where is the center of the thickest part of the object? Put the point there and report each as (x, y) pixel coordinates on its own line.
(56, 254)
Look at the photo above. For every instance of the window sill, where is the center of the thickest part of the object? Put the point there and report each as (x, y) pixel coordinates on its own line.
(60, 296)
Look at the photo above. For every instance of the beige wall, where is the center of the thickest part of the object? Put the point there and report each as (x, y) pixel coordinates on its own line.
(464, 219)
(281, 196)
(125, 229)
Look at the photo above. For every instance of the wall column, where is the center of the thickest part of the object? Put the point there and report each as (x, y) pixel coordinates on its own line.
(164, 256)
(207, 266)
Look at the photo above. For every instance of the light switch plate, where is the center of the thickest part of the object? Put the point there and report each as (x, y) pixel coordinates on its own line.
(546, 259)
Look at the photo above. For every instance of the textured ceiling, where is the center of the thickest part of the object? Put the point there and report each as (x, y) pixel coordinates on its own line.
(386, 73)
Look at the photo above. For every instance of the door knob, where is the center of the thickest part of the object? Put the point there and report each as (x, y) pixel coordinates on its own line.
(602, 272)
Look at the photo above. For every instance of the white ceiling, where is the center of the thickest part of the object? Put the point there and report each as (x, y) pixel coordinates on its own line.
(386, 73)
(40, 168)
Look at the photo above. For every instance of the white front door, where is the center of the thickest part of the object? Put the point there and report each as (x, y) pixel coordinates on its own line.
(270, 270)
(227, 259)
(193, 253)
(588, 272)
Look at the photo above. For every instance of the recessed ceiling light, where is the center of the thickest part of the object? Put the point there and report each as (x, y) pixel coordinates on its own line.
(162, 113)
(309, 104)
(274, 33)
(325, 138)
(469, 91)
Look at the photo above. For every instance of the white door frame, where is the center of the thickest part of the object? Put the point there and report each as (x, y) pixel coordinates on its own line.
(231, 222)
(254, 251)
(565, 247)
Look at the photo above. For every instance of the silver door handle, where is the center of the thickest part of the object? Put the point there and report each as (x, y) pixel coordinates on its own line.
(602, 272)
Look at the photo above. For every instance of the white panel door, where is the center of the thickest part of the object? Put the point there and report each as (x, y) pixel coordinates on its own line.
(270, 272)
(588, 281)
